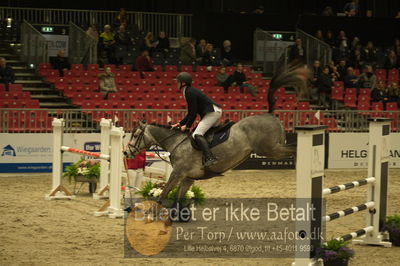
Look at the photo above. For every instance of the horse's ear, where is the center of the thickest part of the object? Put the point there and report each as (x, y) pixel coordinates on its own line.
(142, 124)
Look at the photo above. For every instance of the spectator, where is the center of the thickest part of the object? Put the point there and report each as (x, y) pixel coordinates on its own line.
(107, 82)
(60, 62)
(259, 10)
(149, 43)
(144, 62)
(162, 43)
(355, 56)
(7, 75)
(297, 51)
(367, 79)
(208, 58)
(108, 41)
(123, 40)
(380, 93)
(238, 78)
(392, 60)
(328, 12)
(92, 32)
(342, 68)
(335, 74)
(396, 47)
(350, 79)
(355, 42)
(226, 53)
(319, 35)
(352, 8)
(394, 93)
(121, 19)
(368, 54)
(201, 48)
(221, 76)
(343, 44)
(369, 14)
(397, 15)
(330, 39)
(188, 52)
(316, 70)
(325, 84)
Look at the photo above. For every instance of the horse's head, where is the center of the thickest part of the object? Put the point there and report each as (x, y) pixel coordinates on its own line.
(140, 140)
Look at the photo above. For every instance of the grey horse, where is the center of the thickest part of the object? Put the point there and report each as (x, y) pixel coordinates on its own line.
(260, 134)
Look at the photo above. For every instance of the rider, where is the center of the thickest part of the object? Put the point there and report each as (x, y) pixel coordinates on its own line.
(209, 111)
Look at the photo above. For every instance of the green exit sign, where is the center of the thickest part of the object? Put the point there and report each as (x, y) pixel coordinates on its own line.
(277, 36)
(47, 29)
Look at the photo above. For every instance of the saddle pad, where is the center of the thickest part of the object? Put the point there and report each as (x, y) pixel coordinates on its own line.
(220, 137)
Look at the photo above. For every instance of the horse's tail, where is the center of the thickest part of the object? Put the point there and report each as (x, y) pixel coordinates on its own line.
(294, 75)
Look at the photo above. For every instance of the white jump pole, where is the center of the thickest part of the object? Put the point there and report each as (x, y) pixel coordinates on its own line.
(309, 179)
(112, 208)
(378, 167)
(58, 191)
(105, 125)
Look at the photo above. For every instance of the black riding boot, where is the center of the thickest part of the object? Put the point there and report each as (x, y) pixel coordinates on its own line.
(210, 159)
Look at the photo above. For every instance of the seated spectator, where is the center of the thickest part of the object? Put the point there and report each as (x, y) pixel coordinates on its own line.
(352, 8)
(380, 93)
(397, 15)
(188, 52)
(335, 74)
(392, 61)
(297, 52)
(208, 58)
(108, 41)
(7, 75)
(149, 44)
(221, 76)
(60, 62)
(350, 79)
(368, 14)
(144, 62)
(328, 11)
(325, 84)
(162, 43)
(107, 82)
(355, 42)
(368, 55)
(316, 70)
(238, 78)
(342, 68)
(394, 93)
(367, 79)
(201, 48)
(319, 35)
(92, 32)
(226, 53)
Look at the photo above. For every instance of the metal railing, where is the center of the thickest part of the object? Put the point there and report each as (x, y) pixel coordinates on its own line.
(315, 49)
(87, 120)
(176, 25)
(269, 52)
(82, 48)
(34, 45)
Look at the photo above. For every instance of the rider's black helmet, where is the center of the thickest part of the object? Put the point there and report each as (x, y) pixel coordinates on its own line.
(185, 78)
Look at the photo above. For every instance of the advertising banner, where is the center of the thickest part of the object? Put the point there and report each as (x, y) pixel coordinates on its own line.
(350, 150)
(27, 153)
(56, 43)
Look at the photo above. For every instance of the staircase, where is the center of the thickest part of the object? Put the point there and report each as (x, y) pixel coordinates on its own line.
(31, 82)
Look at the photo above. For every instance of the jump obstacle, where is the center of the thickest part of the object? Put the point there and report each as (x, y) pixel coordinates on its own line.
(310, 180)
(114, 158)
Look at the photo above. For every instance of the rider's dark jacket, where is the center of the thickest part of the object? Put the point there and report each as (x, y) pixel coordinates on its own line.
(198, 103)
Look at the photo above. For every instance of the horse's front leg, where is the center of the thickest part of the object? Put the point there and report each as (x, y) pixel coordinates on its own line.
(184, 186)
(173, 181)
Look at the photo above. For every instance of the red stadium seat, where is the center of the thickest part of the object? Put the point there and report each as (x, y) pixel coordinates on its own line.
(350, 101)
(350, 91)
(337, 94)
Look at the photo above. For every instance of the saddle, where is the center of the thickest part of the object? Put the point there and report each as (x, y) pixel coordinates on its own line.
(215, 135)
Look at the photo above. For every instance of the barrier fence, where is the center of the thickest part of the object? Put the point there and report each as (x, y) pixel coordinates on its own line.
(34, 45)
(82, 49)
(315, 49)
(87, 120)
(176, 25)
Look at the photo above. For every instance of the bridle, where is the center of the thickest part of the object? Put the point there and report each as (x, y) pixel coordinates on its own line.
(141, 137)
